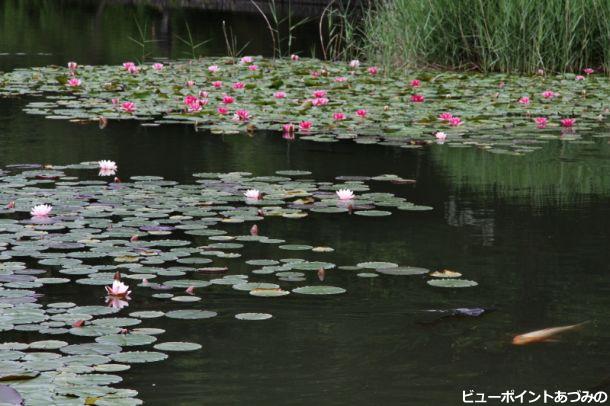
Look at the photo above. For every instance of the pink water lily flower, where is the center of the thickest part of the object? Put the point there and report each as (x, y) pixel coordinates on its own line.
(222, 110)
(217, 84)
(116, 303)
(41, 210)
(524, 100)
(193, 107)
(319, 93)
(253, 67)
(354, 63)
(128, 65)
(190, 83)
(203, 94)
(279, 95)
(241, 115)
(540, 72)
(106, 172)
(189, 99)
(72, 66)
(157, 66)
(445, 116)
(373, 70)
(305, 125)
(253, 194)
(455, 121)
(114, 101)
(315, 73)
(417, 98)
(415, 83)
(288, 128)
(541, 122)
(247, 59)
(568, 122)
(226, 99)
(440, 136)
(118, 289)
(213, 68)
(345, 194)
(338, 116)
(238, 85)
(107, 164)
(74, 82)
(361, 113)
(128, 107)
(134, 70)
(340, 79)
(294, 57)
(579, 77)
(319, 101)
(589, 71)
(548, 94)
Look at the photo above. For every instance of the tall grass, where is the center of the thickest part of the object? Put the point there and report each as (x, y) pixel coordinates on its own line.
(489, 35)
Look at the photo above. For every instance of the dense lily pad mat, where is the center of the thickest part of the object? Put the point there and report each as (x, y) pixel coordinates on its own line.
(225, 95)
(150, 230)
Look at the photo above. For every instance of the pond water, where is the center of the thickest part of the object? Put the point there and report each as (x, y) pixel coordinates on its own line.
(532, 230)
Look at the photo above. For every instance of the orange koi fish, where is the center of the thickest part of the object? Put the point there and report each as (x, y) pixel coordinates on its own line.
(544, 335)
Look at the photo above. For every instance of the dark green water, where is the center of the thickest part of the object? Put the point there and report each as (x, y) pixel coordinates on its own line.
(532, 230)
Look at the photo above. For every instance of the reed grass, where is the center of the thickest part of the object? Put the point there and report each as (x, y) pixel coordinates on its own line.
(489, 35)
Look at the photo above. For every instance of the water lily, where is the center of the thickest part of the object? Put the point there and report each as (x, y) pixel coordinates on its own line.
(241, 115)
(134, 70)
(203, 94)
(338, 116)
(541, 122)
(41, 210)
(247, 59)
(294, 57)
(107, 165)
(72, 66)
(305, 125)
(540, 72)
(74, 82)
(340, 79)
(315, 73)
(190, 83)
(579, 77)
(373, 70)
(238, 85)
(415, 83)
(455, 121)
(222, 110)
(288, 128)
(279, 95)
(361, 113)
(213, 68)
(319, 101)
(254, 230)
(226, 99)
(345, 194)
(253, 67)
(118, 289)
(217, 84)
(568, 122)
(445, 116)
(253, 194)
(128, 107)
(319, 94)
(548, 94)
(116, 303)
(189, 99)
(588, 71)
(157, 66)
(524, 100)
(440, 136)
(417, 98)
(128, 65)
(354, 63)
